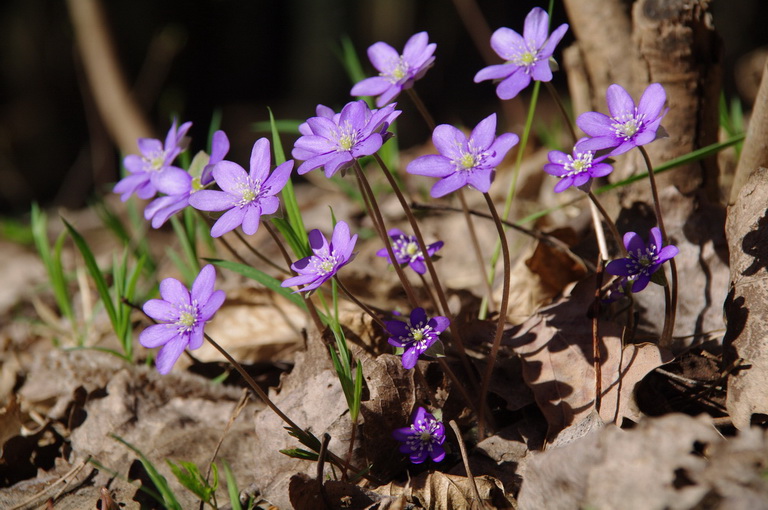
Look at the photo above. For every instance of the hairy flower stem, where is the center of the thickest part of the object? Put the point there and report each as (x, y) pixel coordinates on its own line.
(560, 106)
(470, 225)
(430, 266)
(491, 360)
(378, 222)
(671, 296)
(465, 459)
(596, 358)
(431, 294)
(360, 304)
(263, 396)
(512, 189)
(307, 300)
(258, 254)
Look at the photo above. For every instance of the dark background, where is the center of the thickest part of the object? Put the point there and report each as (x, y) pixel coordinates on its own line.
(238, 57)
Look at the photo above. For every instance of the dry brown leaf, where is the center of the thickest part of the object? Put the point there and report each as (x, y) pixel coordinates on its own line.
(556, 348)
(673, 462)
(440, 491)
(10, 421)
(747, 305)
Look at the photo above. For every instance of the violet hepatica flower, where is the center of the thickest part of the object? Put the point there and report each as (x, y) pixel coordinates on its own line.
(245, 196)
(642, 259)
(406, 250)
(182, 314)
(424, 438)
(415, 336)
(396, 72)
(628, 126)
(335, 142)
(326, 259)
(576, 169)
(526, 57)
(464, 161)
(152, 171)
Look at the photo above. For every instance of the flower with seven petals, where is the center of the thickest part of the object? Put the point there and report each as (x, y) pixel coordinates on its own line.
(182, 314)
(415, 336)
(152, 171)
(642, 259)
(576, 169)
(396, 72)
(628, 126)
(424, 438)
(527, 56)
(464, 161)
(335, 142)
(326, 259)
(245, 196)
(406, 250)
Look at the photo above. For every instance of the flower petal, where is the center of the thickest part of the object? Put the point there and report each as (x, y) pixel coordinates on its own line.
(160, 309)
(594, 124)
(260, 160)
(173, 291)
(448, 184)
(512, 86)
(431, 165)
(383, 57)
(371, 86)
(211, 200)
(252, 218)
(202, 287)
(481, 179)
(536, 28)
(228, 221)
(170, 353)
(484, 133)
(495, 72)
(157, 335)
(505, 42)
(619, 101)
(212, 305)
(652, 101)
(449, 141)
(230, 177)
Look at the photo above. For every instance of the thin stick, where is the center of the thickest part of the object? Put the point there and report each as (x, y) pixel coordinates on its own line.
(669, 316)
(422, 108)
(502, 312)
(596, 358)
(429, 291)
(465, 459)
(609, 222)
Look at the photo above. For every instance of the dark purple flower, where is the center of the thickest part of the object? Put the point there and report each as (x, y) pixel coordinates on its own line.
(245, 196)
(577, 169)
(334, 142)
(628, 126)
(424, 438)
(406, 250)
(464, 161)
(183, 316)
(642, 259)
(396, 72)
(415, 336)
(527, 56)
(326, 259)
(152, 171)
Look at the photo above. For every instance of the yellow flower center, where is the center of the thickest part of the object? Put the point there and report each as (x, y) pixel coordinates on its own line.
(196, 184)
(468, 161)
(346, 142)
(412, 249)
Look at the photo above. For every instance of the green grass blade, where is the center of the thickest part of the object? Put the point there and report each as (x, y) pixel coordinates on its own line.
(51, 261)
(187, 245)
(299, 247)
(234, 492)
(169, 498)
(95, 272)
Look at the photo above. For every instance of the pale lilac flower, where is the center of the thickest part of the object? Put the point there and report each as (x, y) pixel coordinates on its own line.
(219, 149)
(245, 196)
(527, 56)
(336, 142)
(642, 259)
(577, 169)
(464, 161)
(152, 171)
(182, 315)
(628, 126)
(406, 250)
(396, 72)
(326, 259)
(424, 438)
(416, 335)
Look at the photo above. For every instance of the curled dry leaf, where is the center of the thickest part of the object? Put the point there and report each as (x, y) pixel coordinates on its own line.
(555, 346)
(747, 304)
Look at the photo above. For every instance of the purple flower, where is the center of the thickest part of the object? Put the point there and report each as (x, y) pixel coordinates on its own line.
(642, 260)
(424, 438)
(396, 72)
(415, 336)
(200, 175)
(152, 171)
(464, 161)
(245, 196)
(183, 316)
(577, 169)
(334, 142)
(326, 259)
(406, 250)
(527, 56)
(628, 126)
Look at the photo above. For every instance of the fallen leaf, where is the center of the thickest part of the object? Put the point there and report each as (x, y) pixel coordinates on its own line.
(440, 491)
(555, 346)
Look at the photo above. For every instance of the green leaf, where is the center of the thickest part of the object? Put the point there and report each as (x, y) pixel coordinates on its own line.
(95, 272)
(299, 247)
(51, 261)
(189, 476)
(299, 453)
(185, 235)
(234, 492)
(168, 497)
